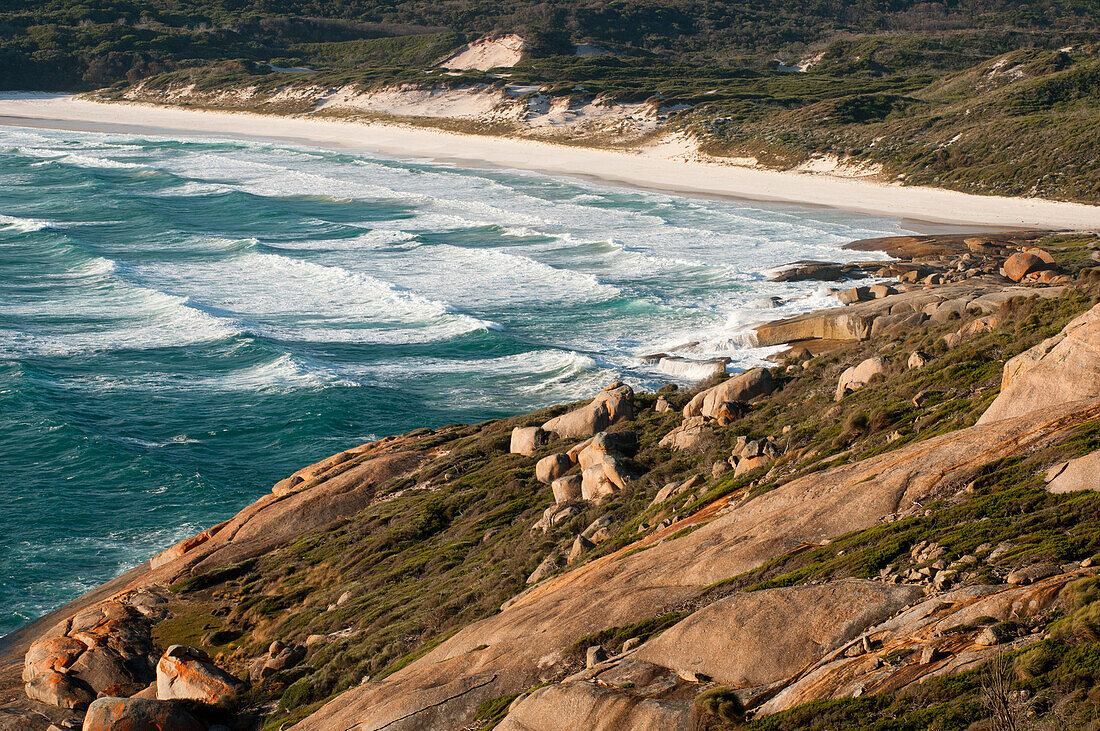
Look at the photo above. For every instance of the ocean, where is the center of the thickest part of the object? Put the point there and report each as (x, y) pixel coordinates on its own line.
(186, 320)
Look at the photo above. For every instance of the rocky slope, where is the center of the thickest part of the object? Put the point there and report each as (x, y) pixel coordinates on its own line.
(855, 533)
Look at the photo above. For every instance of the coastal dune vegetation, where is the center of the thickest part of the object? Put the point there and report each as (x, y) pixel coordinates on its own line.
(995, 98)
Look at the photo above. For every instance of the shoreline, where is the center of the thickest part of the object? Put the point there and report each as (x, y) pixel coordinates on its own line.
(927, 206)
(220, 542)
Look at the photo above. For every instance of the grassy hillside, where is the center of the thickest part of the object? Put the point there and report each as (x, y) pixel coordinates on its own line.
(62, 44)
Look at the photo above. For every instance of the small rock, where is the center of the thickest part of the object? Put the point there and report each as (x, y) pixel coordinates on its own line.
(719, 468)
(748, 464)
(581, 546)
(549, 565)
(554, 515)
(855, 294)
(595, 656)
(878, 291)
(527, 439)
(632, 643)
(859, 376)
(1024, 576)
(599, 530)
(286, 658)
(944, 579)
(662, 405)
(566, 489)
(551, 468)
(927, 654)
(138, 714)
(917, 360)
(692, 676)
(186, 673)
(921, 398)
(990, 636)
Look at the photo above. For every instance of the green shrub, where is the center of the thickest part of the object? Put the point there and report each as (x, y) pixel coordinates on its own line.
(722, 705)
(1034, 662)
(1081, 593)
(298, 694)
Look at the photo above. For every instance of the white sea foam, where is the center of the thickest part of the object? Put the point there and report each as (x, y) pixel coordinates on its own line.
(24, 225)
(290, 299)
(369, 240)
(483, 276)
(52, 155)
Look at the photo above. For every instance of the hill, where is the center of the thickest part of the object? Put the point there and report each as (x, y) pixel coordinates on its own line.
(983, 97)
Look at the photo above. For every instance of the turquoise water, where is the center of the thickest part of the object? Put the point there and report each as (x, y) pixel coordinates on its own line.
(185, 321)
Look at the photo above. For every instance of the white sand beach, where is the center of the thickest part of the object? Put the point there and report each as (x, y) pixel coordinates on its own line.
(658, 168)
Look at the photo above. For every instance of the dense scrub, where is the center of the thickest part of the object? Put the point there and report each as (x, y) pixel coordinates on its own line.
(985, 97)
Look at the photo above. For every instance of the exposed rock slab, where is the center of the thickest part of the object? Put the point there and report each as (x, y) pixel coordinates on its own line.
(582, 705)
(327, 493)
(860, 320)
(1059, 370)
(929, 629)
(1082, 473)
(757, 638)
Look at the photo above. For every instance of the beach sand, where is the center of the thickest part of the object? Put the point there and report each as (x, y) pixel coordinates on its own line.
(654, 169)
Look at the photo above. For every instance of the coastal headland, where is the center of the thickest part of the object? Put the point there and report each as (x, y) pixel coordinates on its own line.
(907, 494)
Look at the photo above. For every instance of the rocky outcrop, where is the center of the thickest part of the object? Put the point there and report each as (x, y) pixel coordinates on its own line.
(601, 461)
(187, 673)
(895, 313)
(445, 686)
(1061, 369)
(135, 714)
(106, 649)
(823, 271)
(614, 404)
(742, 387)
